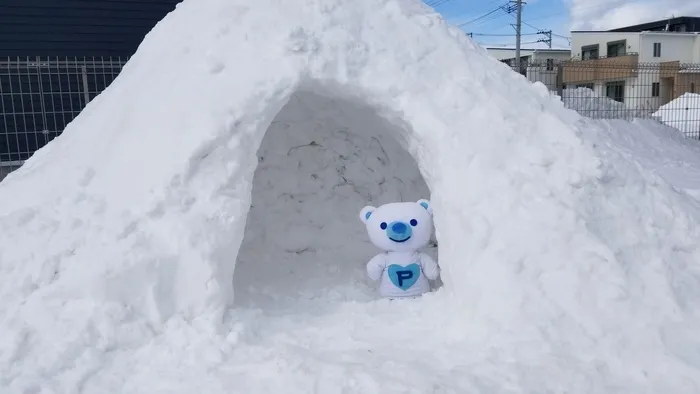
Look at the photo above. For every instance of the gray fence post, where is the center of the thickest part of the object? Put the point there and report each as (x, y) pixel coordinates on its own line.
(560, 81)
(86, 91)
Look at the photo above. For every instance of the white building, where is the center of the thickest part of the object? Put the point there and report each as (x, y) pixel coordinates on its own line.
(644, 66)
(538, 64)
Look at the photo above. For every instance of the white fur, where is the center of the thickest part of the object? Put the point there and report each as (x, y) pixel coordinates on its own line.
(400, 253)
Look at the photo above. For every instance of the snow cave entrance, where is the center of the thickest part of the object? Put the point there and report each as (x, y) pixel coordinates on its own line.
(321, 160)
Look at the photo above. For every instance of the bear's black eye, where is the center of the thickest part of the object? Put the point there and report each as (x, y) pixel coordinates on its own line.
(414, 222)
(383, 226)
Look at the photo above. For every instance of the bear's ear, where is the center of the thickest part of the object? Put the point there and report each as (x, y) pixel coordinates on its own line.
(425, 204)
(366, 212)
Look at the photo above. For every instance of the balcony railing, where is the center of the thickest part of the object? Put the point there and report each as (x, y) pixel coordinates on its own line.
(600, 69)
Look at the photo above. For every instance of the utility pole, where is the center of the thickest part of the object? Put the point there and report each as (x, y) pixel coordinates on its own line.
(548, 39)
(518, 28)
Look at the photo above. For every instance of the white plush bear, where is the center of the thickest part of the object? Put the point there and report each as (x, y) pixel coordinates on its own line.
(401, 229)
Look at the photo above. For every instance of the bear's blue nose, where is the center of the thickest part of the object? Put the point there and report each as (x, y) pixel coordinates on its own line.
(399, 228)
(399, 232)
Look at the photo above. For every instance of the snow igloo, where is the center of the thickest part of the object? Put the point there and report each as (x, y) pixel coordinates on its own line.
(222, 173)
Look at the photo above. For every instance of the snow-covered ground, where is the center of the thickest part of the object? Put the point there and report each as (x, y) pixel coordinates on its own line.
(683, 114)
(568, 246)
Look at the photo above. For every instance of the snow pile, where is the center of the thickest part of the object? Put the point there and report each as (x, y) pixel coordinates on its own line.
(586, 102)
(567, 264)
(660, 150)
(683, 114)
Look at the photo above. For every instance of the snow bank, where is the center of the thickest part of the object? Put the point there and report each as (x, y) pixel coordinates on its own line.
(586, 102)
(659, 150)
(683, 114)
(567, 264)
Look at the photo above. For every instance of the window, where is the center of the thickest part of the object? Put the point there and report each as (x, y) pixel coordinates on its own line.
(585, 85)
(617, 48)
(589, 52)
(692, 87)
(550, 64)
(615, 90)
(655, 89)
(657, 49)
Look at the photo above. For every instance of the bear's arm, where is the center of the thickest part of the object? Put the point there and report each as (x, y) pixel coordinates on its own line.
(430, 267)
(376, 266)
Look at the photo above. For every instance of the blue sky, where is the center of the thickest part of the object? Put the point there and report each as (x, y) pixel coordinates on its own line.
(537, 14)
(560, 16)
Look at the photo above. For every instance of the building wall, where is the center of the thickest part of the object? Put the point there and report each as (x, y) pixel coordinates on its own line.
(581, 39)
(674, 46)
(539, 71)
(506, 53)
(56, 55)
(558, 56)
(640, 95)
(77, 27)
(686, 83)
(696, 50)
(540, 55)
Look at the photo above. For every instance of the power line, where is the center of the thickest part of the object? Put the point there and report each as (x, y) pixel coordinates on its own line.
(501, 35)
(500, 8)
(505, 45)
(548, 37)
(437, 3)
(537, 28)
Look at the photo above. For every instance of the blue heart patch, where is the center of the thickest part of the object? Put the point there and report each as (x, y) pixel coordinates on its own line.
(404, 277)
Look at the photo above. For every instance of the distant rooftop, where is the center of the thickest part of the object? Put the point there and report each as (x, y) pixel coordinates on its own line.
(681, 24)
(532, 49)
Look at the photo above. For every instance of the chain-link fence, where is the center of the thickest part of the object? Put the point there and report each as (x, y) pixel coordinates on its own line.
(40, 96)
(622, 88)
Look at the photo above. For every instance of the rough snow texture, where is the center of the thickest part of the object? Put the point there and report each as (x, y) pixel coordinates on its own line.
(320, 162)
(587, 103)
(567, 264)
(683, 114)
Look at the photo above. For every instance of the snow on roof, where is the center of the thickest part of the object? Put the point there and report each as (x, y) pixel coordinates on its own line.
(566, 260)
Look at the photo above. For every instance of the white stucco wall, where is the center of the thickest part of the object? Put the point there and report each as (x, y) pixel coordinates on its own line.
(541, 56)
(582, 39)
(538, 55)
(674, 46)
(507, 53)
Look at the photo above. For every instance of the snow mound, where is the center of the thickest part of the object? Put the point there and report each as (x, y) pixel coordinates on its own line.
(586, 102)
(683, 114)
(567, 263)
(660, 150)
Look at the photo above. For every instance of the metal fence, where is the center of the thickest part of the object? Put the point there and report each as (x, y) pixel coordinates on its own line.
(40, 96)
(623, 88)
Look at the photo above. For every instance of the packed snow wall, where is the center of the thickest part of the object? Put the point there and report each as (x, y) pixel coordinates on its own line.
(321, 160)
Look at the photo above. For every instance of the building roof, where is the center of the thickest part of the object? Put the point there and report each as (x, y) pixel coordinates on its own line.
(689, 23)
(531, 49)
